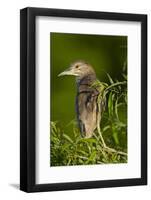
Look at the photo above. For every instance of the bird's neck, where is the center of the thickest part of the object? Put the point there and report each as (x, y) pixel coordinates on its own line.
(86, 80)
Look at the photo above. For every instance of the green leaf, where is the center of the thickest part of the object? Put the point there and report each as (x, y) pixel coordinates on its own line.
(116, 109)
(68, 138)
(82, 152)
(105, 128)
(92, 157)
(110, 104)
(125, 76)
(110, 79)
(53, 126)
(91, 140)
(116, 84)
(115, 135)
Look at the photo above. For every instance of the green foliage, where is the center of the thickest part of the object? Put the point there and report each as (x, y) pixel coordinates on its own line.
(71, 149)
(104, 53)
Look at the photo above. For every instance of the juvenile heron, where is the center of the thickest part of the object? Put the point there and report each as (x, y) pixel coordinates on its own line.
(87, 109)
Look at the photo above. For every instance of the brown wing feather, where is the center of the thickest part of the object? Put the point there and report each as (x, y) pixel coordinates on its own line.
(86, 106)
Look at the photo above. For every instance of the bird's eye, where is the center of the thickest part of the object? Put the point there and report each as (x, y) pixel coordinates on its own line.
(76, 66)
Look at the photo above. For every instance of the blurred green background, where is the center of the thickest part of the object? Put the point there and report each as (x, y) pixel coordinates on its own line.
(107, 54)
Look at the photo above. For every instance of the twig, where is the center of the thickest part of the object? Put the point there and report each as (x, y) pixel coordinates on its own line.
(100, 134)
(98, 139)
(83, 157)
(105, 147)
(108, 149)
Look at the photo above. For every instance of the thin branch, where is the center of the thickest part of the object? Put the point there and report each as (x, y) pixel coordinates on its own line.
(105, 147)
(108, 149)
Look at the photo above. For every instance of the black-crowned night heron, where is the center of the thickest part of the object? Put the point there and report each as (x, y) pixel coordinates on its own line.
(87, 109)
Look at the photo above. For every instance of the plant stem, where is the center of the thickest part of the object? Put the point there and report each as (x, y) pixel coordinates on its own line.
(100, 134)
(105, 147)
(115, 151)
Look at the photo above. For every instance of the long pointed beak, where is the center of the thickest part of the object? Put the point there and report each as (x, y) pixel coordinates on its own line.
(67, 72)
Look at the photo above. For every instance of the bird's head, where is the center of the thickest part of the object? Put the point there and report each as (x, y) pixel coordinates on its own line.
(78, 69)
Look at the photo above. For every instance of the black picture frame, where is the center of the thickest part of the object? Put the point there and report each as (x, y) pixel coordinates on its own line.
(28, 98)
